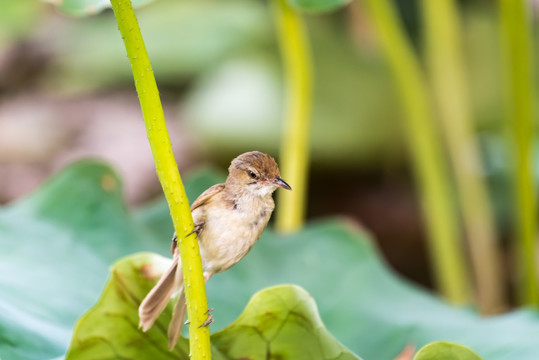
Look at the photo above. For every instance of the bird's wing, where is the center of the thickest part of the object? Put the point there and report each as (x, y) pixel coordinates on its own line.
(199, 216)
(207, 195)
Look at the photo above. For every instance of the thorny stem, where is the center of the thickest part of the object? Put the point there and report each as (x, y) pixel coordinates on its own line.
(169, 176)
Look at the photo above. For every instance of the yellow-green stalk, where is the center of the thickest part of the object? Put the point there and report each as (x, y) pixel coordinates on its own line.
(426, 153)
(169, 177)
(448, 78)
(517, 54)
(294, 158)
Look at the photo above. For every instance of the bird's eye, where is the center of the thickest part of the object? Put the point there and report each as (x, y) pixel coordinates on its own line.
(252, 174)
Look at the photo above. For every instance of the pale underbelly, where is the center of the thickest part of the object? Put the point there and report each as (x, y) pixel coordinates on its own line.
(228, 246)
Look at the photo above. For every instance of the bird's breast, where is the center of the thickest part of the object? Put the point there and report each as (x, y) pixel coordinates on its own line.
(229, 233)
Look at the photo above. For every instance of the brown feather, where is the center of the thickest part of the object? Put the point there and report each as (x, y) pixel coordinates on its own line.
(158, 298)
(207, 195)
(176, 324)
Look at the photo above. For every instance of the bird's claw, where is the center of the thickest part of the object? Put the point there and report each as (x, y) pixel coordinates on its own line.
(197, 229)
(209, 320)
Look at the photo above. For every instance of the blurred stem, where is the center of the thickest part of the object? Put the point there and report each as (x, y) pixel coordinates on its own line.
(294, 157)
(445, 60)
(168, 174)
(426, 152)
(516, 50)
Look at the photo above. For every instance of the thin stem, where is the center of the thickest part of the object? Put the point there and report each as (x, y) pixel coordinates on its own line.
(517, 53)
(426, 153)
(294, 157)
(168, 174)
(445, 60)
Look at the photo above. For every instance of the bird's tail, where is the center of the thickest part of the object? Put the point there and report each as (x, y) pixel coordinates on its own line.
(158, 298)
(176, 323)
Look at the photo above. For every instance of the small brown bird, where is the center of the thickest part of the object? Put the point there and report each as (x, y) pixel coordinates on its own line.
(229, 218)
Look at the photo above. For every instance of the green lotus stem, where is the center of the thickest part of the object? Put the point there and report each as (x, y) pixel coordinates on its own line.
(445, 60)
(426, 153)
(517, 52)
(294, 157)
(168, 174)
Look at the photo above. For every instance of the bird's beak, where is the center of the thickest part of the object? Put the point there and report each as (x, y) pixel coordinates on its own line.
(281, 183)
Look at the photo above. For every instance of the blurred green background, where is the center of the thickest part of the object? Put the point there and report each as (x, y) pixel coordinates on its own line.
(66, 92)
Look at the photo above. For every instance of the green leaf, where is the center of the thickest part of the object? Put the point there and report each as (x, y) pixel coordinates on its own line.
(444, 350)
(57, 245)
(281, 321)
(318, 5)
(110, 329)
(87, 7)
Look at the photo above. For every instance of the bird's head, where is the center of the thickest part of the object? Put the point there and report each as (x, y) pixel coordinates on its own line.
(257, 172)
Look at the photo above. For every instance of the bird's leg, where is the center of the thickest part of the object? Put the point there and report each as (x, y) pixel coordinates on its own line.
(210, 318)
